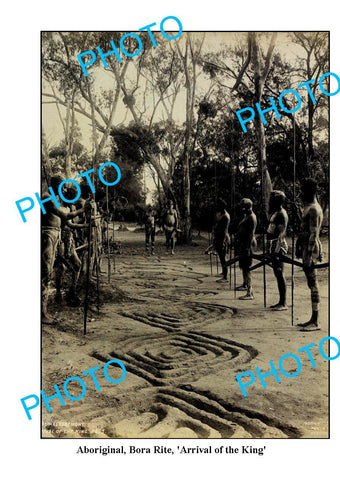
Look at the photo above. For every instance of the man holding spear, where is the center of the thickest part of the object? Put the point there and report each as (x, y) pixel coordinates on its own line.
(308, 247)
(245, 243)
(277, 244)
(50, 237)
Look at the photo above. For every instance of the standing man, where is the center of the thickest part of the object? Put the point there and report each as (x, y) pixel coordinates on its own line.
(67, 256)
(308, 247)
(150, 228)
(50, 237)
(94, 218)
(170, 225)
(245, 243)
(221, 238)
(277, 244)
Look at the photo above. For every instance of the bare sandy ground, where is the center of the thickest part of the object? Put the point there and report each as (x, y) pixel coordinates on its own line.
(183, 337)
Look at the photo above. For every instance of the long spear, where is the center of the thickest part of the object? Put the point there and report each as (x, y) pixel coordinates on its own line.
(96, 259)
(234, 211)
(113, 231)
(89, 242)
(107, 236)
(210, 255)
(263, 235)
(293, 221)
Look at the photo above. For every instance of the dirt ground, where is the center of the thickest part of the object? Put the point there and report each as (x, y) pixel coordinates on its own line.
(183, 337)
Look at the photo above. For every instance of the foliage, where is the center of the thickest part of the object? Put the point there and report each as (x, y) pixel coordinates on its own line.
(180, 101)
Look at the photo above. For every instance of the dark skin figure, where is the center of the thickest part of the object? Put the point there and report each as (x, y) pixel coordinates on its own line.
(311, 222)
(221, 238)
(73, 260)
(246, 239)
(96, 225)
(277, 232)
(170, 226)
(52, 218)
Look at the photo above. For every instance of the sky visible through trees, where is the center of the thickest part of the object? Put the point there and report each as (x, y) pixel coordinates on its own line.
(172, 109)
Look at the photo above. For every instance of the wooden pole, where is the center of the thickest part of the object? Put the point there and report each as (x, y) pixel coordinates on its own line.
(234, 214)
(263, 234)
(96, 259)
(293, 222)
(108, 236)
(86, 301)
(113, 232)
(210, 259)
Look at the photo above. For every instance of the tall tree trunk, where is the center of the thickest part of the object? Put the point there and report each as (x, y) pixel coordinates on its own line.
(186, 222)
(260, 76)
(189, 62)
(310, 130)
(69, 136)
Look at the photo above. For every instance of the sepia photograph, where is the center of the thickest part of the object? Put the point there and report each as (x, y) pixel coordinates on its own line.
(184, 234)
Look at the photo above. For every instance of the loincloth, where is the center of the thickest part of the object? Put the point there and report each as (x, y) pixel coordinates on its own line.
(273, 244)
(170, 231)
(246, 259)
(50, 237)
(67, 244)
(302, 245)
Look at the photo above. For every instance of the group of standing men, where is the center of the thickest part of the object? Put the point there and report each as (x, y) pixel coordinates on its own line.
(308, 246)
(64, 232)
(66, 236)
(169, 223)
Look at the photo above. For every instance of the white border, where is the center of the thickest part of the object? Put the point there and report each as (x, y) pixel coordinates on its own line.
(25, 454)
